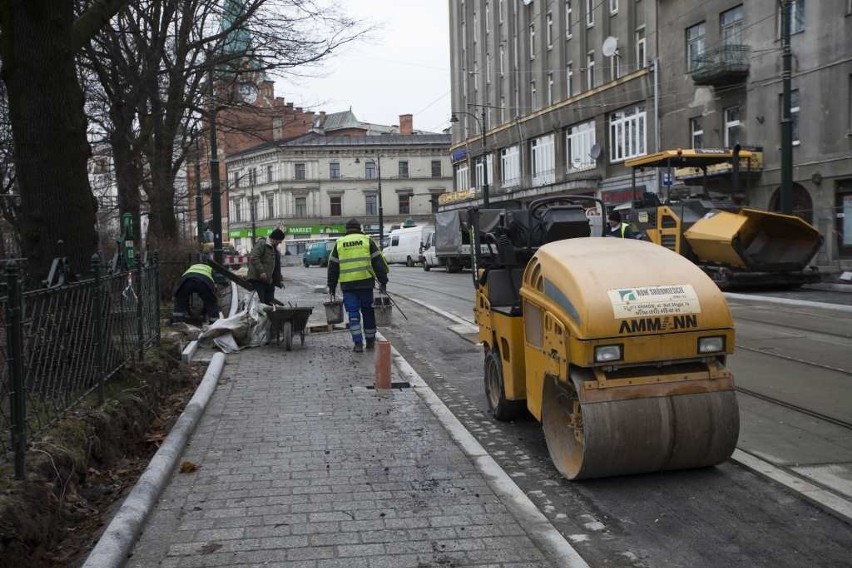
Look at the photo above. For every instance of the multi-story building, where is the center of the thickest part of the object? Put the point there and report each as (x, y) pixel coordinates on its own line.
(310, 185)
(552, 96)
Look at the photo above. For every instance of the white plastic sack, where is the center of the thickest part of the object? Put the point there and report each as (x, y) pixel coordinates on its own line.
(247, 328)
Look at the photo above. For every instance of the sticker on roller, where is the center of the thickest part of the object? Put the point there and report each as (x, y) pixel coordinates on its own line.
(653, 301)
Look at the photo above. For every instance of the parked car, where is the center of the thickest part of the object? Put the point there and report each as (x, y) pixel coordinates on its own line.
(407, 244)
(317, 253)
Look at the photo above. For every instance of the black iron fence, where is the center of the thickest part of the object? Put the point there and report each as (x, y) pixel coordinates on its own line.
(62, 343)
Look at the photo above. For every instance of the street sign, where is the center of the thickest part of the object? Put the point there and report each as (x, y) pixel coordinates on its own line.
(667, 179)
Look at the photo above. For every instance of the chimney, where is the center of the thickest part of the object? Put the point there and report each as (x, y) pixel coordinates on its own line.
(406, 124)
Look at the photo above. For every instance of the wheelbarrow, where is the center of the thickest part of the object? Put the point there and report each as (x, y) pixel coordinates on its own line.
(287, 321)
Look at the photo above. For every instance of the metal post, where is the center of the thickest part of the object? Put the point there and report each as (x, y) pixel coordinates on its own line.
(15, 365)
(381, 209)
(199, 203)
(215, 196)
(155, 296)
(253, 213)
(485, 193)
(139, 329)
(786, 196)
(97, 308)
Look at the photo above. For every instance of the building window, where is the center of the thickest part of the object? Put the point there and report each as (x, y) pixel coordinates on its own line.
(334, 170)
(510, 166)
(436, 168)
(543, 160)
(300, 172)
(475, 28)
(731, 25)
(481, 167)
(614, 67)
(269, 174)
(590, 70)
(237, 178)
(301, 207)
(696, 132)
(732, 126)
(694, 45)
(335, 205)
(797, 16)
(433, 200)
(613, 6)
(794, 113)
(533, 96)
(462, 178)
(578, 144)
(370, 170)
(532, 41)
(640, 47)
(590, 12)
(627, 130)
(549, 89)
(502, 62)
(502, 109)
(500, 4)
(487, 17)
(569, 79)
(569, 19)
(270, 205)
(404, 204)
(548, 30)
(252, 174)
(371, 204)
(488, 68)
(403, 168)
(235, 207)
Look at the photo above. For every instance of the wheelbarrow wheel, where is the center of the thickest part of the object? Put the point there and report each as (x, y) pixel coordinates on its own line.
(287, 332)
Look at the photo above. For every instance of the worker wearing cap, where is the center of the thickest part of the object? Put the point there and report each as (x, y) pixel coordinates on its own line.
(619, 229)
(198, 279)
(264, 270)
(356, 263)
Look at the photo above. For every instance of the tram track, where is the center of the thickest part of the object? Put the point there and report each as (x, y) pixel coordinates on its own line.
(796, 407)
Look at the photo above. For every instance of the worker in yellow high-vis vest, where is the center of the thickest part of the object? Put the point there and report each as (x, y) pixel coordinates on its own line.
(198, 279)
(356, 263)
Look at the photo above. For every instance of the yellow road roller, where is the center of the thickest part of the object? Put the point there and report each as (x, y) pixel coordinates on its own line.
(617, 347)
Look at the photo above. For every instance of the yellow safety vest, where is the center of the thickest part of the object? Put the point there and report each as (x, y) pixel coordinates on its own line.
(623, 228)
(202, 269)
(353, 252)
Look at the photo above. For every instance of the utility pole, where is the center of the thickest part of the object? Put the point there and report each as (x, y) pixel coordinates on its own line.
(786, 196)
(253, 212)
(199, 203)
(486, 197)
(381, 209)
(215, 197)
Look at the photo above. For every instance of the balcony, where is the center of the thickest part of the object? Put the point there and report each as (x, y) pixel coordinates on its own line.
(724, 65)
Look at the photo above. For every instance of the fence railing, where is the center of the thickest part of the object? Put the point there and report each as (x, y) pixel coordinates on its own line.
(60, 344)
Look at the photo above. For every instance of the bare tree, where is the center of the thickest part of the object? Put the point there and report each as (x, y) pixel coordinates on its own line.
(39, 40)
(158, 61)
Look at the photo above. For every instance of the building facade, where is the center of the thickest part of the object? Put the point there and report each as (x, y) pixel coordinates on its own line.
(311, 185)
(565, 91)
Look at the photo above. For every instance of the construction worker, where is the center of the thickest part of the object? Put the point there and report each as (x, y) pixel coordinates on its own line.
(356, 263)
(619, 229)
(198, 279)
(265, 266)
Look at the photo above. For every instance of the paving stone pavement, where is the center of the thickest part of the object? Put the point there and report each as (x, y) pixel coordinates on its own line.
(300, 464)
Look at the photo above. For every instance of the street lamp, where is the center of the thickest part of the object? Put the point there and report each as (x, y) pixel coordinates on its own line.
(482, 127)
(378, 162)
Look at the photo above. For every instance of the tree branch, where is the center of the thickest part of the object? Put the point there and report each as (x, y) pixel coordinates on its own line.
(93, 20)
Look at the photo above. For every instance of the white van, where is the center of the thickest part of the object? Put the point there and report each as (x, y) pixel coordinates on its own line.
(405, 245)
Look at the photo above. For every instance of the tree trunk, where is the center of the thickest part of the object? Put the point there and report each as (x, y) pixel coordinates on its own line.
(49, 127)
(128, 172)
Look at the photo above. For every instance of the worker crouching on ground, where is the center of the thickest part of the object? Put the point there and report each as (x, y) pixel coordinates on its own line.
(264, 270)
(356, 263)
(198, 279)
(619, 229)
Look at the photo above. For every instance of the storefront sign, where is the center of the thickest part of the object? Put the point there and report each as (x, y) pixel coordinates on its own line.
(291, 230)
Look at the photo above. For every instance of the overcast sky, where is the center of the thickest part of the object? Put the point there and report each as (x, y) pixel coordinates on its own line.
(403, 68)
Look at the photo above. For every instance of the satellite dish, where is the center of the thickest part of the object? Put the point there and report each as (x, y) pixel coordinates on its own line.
(610, 46)
(595, 151)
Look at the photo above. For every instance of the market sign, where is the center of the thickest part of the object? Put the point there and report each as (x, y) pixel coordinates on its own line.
(456, 196)
(293, 230)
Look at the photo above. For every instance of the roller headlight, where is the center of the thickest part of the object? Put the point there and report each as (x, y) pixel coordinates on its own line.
(715, 344)
(607, 353)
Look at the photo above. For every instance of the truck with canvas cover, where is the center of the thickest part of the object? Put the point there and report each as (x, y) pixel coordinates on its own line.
(617, 347)
(738, 247)
(450, 245)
